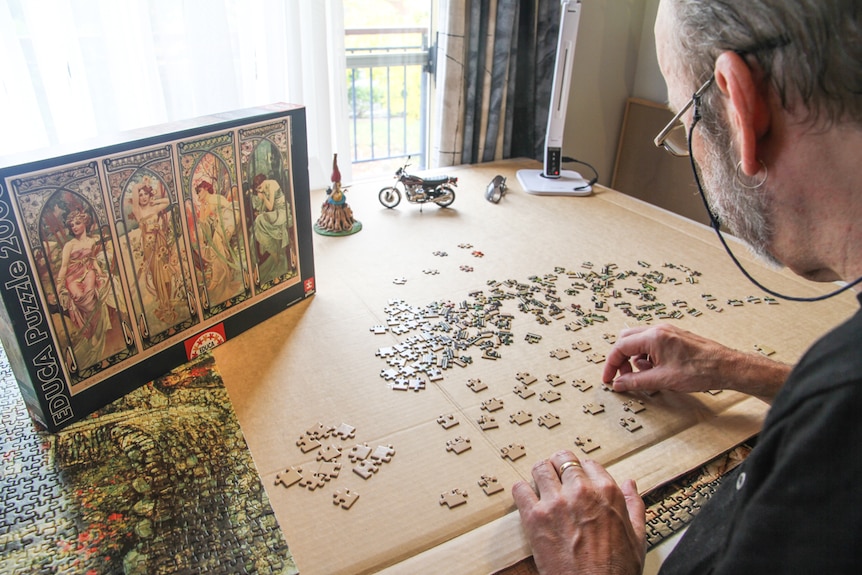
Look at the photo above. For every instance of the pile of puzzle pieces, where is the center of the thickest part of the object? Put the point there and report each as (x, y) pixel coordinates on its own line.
(443, 333)
(366, 461)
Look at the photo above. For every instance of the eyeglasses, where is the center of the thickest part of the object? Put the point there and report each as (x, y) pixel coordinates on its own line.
(673, 137)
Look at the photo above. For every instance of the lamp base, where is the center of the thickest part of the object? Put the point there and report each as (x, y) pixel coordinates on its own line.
(534, 182)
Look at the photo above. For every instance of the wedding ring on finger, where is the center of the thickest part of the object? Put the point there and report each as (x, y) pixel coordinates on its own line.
(566, 465)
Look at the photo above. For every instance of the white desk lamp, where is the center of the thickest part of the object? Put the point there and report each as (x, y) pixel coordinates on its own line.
(552, 180)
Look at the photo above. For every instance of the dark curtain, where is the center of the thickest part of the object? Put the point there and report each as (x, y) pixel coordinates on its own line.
(494, 104)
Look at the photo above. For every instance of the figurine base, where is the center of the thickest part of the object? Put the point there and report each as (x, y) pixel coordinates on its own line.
(324, 232)
(534, 182)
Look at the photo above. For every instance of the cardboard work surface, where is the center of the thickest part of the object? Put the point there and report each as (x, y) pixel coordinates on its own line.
(477, 281)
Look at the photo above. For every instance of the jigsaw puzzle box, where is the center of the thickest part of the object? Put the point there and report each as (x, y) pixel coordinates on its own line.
(120, 262)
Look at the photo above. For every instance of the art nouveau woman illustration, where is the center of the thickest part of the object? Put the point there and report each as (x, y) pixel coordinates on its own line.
(218, 244)
(85, 291)
(159, 269)
(271, 222)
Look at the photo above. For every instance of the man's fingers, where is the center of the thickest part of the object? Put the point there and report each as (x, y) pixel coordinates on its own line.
(546, 477)
(566, 463)
(636, 509)
(633, 343)
(524, 495)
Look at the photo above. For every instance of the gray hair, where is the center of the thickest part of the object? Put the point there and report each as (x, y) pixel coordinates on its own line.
(810, 50)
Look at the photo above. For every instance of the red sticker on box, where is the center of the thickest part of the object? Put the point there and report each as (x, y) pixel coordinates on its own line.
(309, 285)
(205, 341)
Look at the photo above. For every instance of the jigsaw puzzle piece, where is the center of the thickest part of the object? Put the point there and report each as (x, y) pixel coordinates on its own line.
(289, 476)
(453, 498)
(490, 484)
(345, 497)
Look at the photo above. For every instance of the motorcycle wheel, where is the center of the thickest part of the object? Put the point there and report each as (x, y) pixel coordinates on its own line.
(389, 197)
(447, 198)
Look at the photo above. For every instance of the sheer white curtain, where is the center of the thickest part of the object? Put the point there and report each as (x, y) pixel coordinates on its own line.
(71, 70)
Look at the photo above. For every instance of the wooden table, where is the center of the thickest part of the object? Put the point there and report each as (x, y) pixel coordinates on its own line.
(320, 362)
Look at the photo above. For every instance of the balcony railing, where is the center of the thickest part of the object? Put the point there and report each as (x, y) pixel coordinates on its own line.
(387, 82)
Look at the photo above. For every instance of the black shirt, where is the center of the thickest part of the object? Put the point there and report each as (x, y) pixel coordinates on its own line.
(795, 504)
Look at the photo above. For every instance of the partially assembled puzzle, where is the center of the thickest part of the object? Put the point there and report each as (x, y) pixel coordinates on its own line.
(447, 343)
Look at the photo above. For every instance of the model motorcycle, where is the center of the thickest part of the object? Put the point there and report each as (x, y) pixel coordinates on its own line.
(436, 189)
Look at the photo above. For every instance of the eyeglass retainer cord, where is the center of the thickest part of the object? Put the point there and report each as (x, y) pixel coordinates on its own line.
(716, 225)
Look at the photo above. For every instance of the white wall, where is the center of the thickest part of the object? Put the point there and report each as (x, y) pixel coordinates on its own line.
(649, 83)
(614, 60)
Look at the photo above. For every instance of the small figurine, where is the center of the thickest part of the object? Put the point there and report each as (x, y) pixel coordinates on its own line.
(336, 217)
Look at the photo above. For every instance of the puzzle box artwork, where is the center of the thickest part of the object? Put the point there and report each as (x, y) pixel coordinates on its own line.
(121, 262)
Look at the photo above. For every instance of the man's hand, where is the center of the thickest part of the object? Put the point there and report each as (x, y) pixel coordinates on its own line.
(578, 520)
(666, 357)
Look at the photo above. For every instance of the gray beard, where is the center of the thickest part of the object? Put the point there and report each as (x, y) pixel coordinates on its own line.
(746, 213)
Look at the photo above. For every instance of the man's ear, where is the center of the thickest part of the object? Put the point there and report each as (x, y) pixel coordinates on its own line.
(748, 109)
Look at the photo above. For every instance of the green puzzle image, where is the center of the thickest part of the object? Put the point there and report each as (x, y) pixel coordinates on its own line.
(160, 481)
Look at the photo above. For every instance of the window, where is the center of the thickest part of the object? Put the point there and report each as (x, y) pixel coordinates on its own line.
(388, 48)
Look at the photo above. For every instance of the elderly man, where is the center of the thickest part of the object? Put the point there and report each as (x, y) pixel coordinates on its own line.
(775, 131)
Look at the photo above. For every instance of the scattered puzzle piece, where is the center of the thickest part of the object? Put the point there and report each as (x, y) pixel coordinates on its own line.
(490, 484)
(555, 379)
(523, 391)
(513, 451)
(582, 346)
(383, 453)
(328, 470)
(492, 405)
(307, 443)
(762, 349)
(378, 329)
(400, 384)
(550, 396)
(313, 482)
(366, 468)
(521, 417)
(594, 408)
(319, 431)
(289, 476)
(549, 420)
(453, 498)
(586, 444)
(345, 497)
(447, 421)
(581, 385)
(526, 378)
(359, 452)
(458, 445)
(389, 374)
(634, 406)
(596, 358)
(487, 422)
(476, 385)
(630, 423)
(560, 353)
(329, 453)
(344, 431)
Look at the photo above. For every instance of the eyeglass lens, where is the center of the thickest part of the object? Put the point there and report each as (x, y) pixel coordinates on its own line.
(676, 141)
